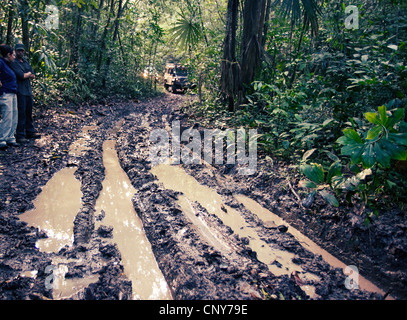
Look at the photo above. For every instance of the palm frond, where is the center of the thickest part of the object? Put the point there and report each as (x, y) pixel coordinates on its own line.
(187, 31)
(292, 9)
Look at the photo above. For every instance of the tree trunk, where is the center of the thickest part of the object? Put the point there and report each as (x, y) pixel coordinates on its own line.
(252, 39)
(266, 23)
(95, 27)
(75, 40)
(9, 37)
(230, 71)
(202, 24)
(115, 34)
(24, 9)
(103, 39)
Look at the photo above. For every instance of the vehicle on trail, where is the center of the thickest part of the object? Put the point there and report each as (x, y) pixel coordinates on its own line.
(176, 78)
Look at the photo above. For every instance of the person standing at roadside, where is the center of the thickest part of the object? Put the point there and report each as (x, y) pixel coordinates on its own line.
(8, 98)
(24, 73)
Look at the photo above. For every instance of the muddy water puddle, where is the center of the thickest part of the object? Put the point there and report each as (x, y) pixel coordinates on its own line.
(138, 259)
(56, 208)
(270, 218)
(279, 262)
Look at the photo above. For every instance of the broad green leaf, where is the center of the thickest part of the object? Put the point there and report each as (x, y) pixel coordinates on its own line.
(352, 134)
(383, 115)
(396, 117)
(395, 151)
(334, 170)
(372, 117)
(374, 132)
(368, 156)
(399, 153)
(354, 151)
(329, 198)
(354, 168)
(399, 138)
(314, 172)
(307, 184)
(382, 156)
(345, 141)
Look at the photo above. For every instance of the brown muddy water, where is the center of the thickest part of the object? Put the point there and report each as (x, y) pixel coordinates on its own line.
(60, 200)
(54, 213)
(57, 206)
(138, 259)
(175, 178)
(55, 210)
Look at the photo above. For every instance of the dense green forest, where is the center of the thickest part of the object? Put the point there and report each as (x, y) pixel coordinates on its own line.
(323, 82)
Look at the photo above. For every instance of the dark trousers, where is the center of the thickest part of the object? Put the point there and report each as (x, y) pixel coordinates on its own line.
(25, 126)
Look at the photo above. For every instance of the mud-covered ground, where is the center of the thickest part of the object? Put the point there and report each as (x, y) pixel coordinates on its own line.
(192, 268)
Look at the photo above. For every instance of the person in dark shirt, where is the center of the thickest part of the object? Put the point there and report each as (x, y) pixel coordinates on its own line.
(8, 98)
(24, 73)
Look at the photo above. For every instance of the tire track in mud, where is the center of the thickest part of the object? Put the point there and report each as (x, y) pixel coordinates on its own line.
(200, 259)
(191, 258)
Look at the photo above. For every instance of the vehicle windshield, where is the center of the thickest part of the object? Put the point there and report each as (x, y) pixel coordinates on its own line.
(181, 72)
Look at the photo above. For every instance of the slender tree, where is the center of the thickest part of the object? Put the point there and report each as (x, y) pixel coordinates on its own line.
(230, 71)
(9, 37)
(115, 36)
(252, 39)
(104, 38)
(24, 11)
(75, 37)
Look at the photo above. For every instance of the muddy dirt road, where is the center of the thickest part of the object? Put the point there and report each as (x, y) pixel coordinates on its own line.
(85, 215)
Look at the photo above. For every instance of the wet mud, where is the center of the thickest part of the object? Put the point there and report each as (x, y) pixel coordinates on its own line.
(198, 249)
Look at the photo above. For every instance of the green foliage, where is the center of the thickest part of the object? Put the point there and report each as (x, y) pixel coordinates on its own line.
(320, 181)
(380, 144)
(101, 49)
(385, 140)
(373, 150)
(289, 121)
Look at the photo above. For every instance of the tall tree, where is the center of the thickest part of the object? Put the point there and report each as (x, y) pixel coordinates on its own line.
(9, 37)
(75, 37)
(24, 10)
(104, 36)
(234, 75)
(252, 39)
(230, 71)
(115, 36)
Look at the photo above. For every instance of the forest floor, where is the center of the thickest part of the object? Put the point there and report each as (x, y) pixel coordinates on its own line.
(230, 253)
